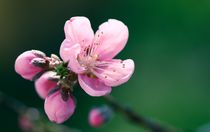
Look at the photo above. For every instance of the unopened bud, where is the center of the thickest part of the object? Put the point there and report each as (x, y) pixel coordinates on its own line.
(43, 85)
(57, 109)
(25, 123)
(99, 116)
(28, 118)
(23, 65)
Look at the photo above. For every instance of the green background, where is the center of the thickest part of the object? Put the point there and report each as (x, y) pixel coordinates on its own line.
(169, 42)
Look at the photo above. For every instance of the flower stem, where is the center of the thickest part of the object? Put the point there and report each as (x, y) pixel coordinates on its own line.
(136, 118)
(31, 117)
(12, 103)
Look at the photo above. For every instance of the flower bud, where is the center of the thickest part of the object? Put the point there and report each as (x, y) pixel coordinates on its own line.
(43, 85)
(28, 118)
(57, 109)
(24, 66)
(99, 116)
(25, 124)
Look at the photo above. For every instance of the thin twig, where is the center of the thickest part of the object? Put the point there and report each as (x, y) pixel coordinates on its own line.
(13, 103)
(37, 124)
(136, 118)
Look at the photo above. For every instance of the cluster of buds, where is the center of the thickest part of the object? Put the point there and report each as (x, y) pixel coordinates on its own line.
(53, 82)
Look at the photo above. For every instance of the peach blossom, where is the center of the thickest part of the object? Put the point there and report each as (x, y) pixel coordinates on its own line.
(91, 56)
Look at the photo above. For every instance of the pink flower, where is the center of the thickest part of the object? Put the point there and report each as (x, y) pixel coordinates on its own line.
(91, 56)
(24, 65)
(43, 85)
(57, 109)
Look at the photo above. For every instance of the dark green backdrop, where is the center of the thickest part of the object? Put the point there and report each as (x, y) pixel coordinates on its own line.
(169, 42)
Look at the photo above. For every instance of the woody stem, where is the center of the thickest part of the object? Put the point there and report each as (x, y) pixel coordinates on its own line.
(12, 103)
(135, 118)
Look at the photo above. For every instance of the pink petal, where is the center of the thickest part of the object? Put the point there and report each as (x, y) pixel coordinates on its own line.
(66, 49)
(58, 110)
(79, 30)
(73, 61)
(43, 85)
(111, 38)
(93, 86)
(114, 72)
(69, 53)
(24, 67)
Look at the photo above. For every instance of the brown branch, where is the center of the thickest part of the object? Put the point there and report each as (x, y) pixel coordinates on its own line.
(136, 118)
(12, 103)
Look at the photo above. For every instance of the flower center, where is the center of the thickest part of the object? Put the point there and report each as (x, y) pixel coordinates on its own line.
(88, 62)
(88, 58)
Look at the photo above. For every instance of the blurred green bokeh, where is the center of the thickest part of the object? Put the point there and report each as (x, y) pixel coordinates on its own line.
(169, 42)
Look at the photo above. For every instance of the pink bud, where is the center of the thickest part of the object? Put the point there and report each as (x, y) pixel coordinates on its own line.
(25, 123)
(99, 116)
(57, 109)
(24, 66)
(43, 85)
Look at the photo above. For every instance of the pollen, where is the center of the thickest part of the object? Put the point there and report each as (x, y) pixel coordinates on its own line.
(123, 65)
(91, 75)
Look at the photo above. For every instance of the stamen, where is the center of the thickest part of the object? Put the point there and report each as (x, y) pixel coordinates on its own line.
(123, 65)
(96, 42)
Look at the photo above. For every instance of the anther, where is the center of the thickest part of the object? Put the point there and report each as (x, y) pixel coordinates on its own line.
(123, 65)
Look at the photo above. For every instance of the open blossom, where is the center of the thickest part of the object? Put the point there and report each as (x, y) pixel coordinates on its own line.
(57, 109)
(43, 85)
(91, 56)
(24, 64)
